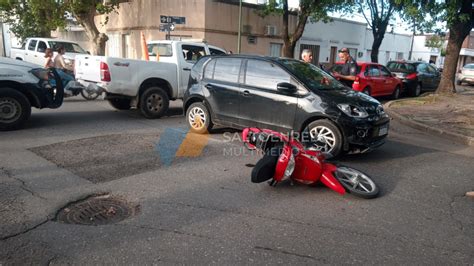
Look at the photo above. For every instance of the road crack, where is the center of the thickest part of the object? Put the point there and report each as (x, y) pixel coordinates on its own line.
(23, 185)
(24, 231)
(278, 250)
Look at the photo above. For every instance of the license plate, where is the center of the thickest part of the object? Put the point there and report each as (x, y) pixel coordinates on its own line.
(383, 130)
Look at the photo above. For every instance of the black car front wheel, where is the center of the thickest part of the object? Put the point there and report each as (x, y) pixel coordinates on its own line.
(325, 136)
(15, 109)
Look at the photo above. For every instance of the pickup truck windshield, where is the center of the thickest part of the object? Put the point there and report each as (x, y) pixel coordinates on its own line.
(312, 76)
(69, 46)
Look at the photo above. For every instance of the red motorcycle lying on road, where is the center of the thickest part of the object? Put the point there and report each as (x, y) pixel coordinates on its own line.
(286, 158)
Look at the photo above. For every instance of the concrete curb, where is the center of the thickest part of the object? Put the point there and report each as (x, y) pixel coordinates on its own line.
(423, 127)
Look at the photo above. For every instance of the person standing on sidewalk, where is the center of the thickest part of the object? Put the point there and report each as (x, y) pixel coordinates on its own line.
(349, 69)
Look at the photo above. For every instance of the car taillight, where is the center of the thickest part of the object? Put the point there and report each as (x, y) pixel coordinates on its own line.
(104, 72)
(357, 79)
(411, 76)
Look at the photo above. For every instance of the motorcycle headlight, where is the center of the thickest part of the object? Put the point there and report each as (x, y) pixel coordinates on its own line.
(290, 167)
(353, 111)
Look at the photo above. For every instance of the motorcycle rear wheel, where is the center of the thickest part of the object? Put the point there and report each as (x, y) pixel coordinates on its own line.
(356, 182)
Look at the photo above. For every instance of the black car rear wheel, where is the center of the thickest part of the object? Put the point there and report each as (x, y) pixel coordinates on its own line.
(199, 118)
(416, 91)
(325, 137)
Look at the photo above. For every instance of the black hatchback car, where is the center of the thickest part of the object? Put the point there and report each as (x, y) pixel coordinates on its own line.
(416, 76)
(286, 95)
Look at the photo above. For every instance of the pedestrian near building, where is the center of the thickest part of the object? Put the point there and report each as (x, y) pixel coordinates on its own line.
(349, 69)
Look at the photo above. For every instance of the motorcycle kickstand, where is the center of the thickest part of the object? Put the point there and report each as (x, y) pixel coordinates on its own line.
(272, 183)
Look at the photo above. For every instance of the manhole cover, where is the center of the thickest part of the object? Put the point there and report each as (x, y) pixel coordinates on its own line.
(97, 210)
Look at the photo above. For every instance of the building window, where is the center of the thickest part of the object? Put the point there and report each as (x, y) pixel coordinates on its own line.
(275, 49)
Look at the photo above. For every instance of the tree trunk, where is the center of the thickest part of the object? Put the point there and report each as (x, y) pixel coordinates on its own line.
(457, 34)
(99, 39)
(378, 38)
(456, 38)
(289, 42)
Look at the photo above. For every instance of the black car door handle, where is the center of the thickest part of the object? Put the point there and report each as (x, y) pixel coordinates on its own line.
(187, 69)
(246, 93)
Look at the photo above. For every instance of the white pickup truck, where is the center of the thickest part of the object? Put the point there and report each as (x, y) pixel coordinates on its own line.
(146, 85)
(32, 50)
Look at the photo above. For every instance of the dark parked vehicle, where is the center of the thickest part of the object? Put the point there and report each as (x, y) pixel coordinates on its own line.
(416, 76)
(285, 95)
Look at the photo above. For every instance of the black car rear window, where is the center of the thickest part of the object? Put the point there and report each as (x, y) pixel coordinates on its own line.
(401, 67)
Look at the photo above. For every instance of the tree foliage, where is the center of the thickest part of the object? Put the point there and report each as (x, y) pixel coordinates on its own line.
(312, 10)
(32, 18)
(37, 18)
(379, 14)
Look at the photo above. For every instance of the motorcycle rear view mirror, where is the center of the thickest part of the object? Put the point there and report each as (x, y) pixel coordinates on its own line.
(286, 87)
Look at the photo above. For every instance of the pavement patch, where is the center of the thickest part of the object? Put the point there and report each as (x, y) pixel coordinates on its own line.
(110, 157)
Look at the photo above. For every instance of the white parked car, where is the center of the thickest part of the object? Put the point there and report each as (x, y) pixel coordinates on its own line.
(32, 50)
(146, 85)
(466, 75)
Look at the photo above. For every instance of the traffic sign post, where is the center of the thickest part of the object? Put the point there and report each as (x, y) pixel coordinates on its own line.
(168, 24)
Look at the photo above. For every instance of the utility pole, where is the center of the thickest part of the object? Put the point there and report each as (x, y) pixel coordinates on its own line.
(239, 35)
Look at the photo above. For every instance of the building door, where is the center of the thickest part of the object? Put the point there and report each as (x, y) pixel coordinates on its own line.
(314, 49)
(126, 46)
(433, 59)
(333, 54)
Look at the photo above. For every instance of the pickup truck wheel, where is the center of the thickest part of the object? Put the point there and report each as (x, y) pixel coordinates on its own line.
(15, 109)
(120, 104)
(154, 102)
(198, 118)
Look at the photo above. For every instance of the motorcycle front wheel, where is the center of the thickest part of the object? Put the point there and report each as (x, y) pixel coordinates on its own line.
(356, 182)
(90, 96)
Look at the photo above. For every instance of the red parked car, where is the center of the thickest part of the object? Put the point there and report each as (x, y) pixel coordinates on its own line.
(374, 79)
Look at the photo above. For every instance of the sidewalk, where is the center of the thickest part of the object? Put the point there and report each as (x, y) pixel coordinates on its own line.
(450, 117)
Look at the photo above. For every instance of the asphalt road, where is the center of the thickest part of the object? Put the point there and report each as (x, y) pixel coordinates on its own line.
(204, 209)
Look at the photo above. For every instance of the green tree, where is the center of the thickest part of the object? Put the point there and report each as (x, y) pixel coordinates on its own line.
(84, 11)
(379, 14)
(32, 18)
(313, 10)
(37, 18)
(459, 17)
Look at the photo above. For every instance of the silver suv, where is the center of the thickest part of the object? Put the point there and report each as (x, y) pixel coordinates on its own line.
(466, 75)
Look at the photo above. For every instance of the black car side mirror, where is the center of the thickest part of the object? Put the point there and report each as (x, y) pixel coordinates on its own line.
(286, 87)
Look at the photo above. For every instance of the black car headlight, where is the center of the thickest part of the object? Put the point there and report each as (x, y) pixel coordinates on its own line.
(352, 110)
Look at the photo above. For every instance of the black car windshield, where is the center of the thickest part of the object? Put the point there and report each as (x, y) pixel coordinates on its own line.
(68, 46)
(312, 76)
